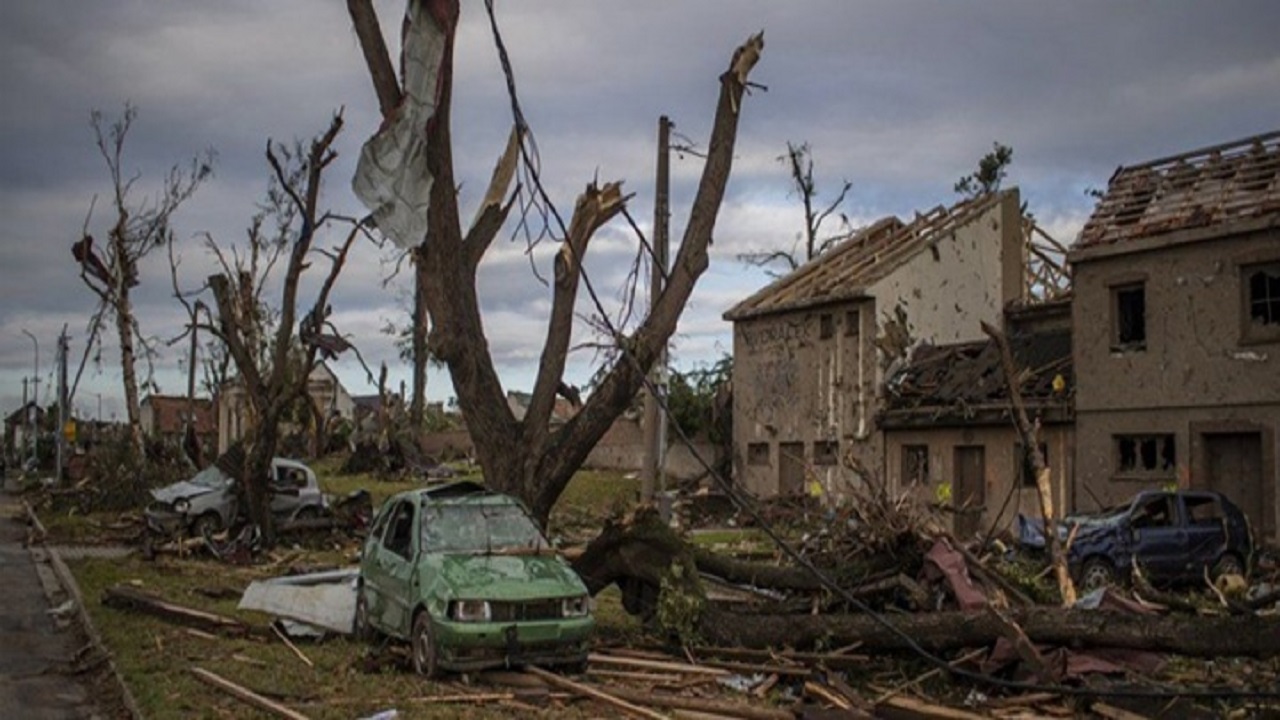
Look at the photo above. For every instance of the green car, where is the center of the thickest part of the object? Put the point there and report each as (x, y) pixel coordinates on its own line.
(466, 577)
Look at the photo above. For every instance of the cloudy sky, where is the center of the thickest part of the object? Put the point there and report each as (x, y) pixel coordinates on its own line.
(899, 97)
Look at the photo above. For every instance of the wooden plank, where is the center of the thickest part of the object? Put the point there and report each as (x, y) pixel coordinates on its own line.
(246, 695)
(656, 665)
(594, 693)
(908, 708)
(679, 702)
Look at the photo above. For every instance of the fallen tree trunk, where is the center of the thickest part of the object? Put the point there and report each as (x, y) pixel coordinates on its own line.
(942, 631)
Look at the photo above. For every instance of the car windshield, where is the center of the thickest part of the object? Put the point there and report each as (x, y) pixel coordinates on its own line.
(210, 477)
(479, 529)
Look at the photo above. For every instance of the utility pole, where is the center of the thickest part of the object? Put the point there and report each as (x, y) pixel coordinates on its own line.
(62, 402)
(655, 420)
(35, 399)
(18, 451)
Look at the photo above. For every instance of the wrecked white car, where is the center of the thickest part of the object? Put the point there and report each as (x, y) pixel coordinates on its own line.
(208, 502)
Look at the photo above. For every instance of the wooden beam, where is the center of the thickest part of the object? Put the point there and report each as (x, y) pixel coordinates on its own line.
(246, 695)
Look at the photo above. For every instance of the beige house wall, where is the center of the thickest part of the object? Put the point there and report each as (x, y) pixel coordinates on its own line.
(1001, 463)
(1202, 373)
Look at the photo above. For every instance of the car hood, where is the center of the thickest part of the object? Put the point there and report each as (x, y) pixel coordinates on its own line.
(508, 577)
(180, 490)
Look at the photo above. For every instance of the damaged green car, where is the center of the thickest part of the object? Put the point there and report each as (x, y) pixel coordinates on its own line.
(467, 578)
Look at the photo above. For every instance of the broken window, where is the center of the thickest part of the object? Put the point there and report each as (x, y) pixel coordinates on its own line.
(1145, 455)
(825, 452)
(915, 464)
(826, 325)
(399, 534)
(1130, 316)
(1156, 512)
(1203, 510)
(1262, 301)
(758, 454)
(1028, 474)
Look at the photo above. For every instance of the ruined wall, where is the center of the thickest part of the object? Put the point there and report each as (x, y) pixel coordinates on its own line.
(1200, 373)
(622, 448)
(943, 293)
(792, 385)
(1002, 466)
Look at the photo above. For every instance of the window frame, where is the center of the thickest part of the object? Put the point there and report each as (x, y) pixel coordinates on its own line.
(826, 452)
(757, 459)
(1250, 331)
(1138, 470)
(913, 463)
(1117, 291)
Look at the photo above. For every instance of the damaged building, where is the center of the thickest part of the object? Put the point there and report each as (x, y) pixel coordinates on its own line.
(948, 431)
(1177, 329)
(812, 349)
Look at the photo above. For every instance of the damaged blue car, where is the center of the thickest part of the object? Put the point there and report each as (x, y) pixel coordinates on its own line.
(1173, 537)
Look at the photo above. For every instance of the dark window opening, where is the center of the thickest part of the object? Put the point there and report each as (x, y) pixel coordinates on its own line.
(1028, 473)
(1264, 295)
(825, 452)
(1145, 455)
(758, 454)
(826, 325)
(851, 322)
(1131, 317)
(915, 464)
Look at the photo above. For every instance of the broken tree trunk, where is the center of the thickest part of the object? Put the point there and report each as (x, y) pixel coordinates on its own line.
(942, 631)
(1031, 446)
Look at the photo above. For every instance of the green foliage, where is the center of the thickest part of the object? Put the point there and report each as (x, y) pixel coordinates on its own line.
(692, 400)
(680, 602)
(992, 169)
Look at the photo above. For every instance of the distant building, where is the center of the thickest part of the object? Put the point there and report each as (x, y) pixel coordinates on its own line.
(1177, 329)
(324, 389)
(165, 417)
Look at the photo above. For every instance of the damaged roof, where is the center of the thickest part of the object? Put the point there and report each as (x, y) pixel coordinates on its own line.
(963, 383)
(850, 268)
(1211, 186)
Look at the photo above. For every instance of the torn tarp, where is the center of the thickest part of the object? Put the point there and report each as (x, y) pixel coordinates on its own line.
(392, 178)
(326, 599)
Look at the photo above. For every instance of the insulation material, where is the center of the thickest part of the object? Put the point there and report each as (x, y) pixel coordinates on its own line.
(392, 178)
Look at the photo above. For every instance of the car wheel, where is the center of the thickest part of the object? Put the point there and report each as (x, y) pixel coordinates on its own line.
(1228, 564)
(360, 626)
(207, 525)
(1097, 573)
(424, 646)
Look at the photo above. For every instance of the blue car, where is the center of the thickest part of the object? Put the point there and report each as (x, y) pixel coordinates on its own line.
(1174, 537)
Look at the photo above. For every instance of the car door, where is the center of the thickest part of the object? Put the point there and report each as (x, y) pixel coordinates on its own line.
(285, 489)
(393, 564)
(1206, 532)
(1159, 536)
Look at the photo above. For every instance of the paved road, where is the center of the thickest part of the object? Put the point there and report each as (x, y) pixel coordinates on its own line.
(36, 655)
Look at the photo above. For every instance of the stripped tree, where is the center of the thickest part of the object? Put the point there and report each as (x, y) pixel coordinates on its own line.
(799, 163)
(112, 272)
(274, 348)
(406, 177)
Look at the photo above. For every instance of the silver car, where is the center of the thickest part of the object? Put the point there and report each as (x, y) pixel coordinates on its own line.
(207, 502)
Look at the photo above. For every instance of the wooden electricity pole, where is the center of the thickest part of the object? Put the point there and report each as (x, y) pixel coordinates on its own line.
(655, 425)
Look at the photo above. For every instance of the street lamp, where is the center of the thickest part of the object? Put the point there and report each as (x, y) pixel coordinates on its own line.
(35, 392)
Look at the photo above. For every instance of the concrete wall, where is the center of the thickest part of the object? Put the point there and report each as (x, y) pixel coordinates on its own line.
(791, 385)
(1200, 373)
(1002, 465)
(969, 278)
(622, 449)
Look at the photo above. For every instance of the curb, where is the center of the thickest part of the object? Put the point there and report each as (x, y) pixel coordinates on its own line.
(69, 585)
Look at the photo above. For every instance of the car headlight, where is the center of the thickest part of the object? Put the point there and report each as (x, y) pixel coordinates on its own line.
(470, 610)
(576, 606)
(182, 506)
